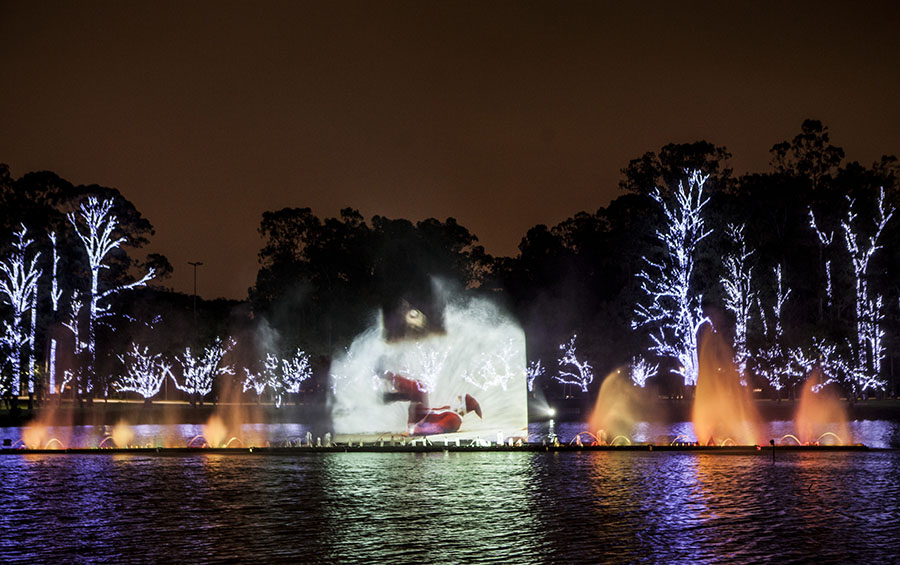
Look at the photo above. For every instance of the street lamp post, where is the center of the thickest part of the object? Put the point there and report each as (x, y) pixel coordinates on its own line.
(194, 264)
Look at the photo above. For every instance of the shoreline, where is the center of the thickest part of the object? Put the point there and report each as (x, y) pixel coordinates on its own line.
(175, 412)
(756, 450)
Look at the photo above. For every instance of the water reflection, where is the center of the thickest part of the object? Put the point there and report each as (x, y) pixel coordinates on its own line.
(455, 507)
(429, 508)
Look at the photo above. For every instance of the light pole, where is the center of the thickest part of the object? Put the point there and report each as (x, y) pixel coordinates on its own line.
(195, 264)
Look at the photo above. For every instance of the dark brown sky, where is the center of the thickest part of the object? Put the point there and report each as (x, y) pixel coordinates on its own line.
(502, 115)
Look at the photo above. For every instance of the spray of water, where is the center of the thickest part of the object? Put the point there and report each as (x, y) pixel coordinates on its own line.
(722, 407)
(475, 369)
(821, 413)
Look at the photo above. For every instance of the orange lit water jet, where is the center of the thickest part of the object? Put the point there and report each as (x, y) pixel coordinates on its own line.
(617, 408)
(820, 414)
(53, 441)
(789, 436)
(214, 431)
(722, 407)
(122, 434)
(578, 441)
(35, 436)
(195, 438)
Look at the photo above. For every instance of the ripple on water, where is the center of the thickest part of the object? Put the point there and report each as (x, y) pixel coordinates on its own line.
(458, 507)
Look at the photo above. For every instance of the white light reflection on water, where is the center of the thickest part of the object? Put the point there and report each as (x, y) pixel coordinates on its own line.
(463, 507)
(429, 508)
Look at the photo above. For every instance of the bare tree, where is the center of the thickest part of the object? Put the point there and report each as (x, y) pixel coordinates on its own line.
(674, 309)
(98, 237)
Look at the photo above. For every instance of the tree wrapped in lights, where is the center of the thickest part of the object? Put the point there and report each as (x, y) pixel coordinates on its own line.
(774, 362)
(739, 295)
(283, 376)
(641, 370)
(259, 380)
(674, 310)
(825, 240)
(55, 295)
(572, 371)
(294, 371)
(75, 375)
(869, 347)
(200, 371)
(824, 355)
(533, 371)
(19, 276)
(99, 240)
(12, 342)
(495, 368)
(144, 372)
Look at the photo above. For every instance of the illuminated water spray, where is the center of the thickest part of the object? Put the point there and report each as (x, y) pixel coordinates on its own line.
(496, 368)
(468, 379)
(428, 364)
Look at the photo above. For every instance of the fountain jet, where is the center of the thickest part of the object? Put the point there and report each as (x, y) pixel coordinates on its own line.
(821, 417)
(722, 407)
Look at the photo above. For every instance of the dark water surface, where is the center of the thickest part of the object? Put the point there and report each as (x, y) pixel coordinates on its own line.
(451, 508)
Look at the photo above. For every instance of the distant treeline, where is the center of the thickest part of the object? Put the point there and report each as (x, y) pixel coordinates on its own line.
(322, 281)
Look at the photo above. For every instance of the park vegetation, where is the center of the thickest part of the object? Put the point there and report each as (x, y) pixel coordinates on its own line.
(797, 267)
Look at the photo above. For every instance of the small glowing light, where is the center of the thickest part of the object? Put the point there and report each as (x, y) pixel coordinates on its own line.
(415, 319)
(551, 412)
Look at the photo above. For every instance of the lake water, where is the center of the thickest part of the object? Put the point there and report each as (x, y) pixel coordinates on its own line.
(451, 508)
(454, 507)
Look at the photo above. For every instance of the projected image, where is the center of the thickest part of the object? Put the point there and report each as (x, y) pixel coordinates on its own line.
(413, 374)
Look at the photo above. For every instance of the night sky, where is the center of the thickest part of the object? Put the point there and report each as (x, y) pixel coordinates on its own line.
(502, 115)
